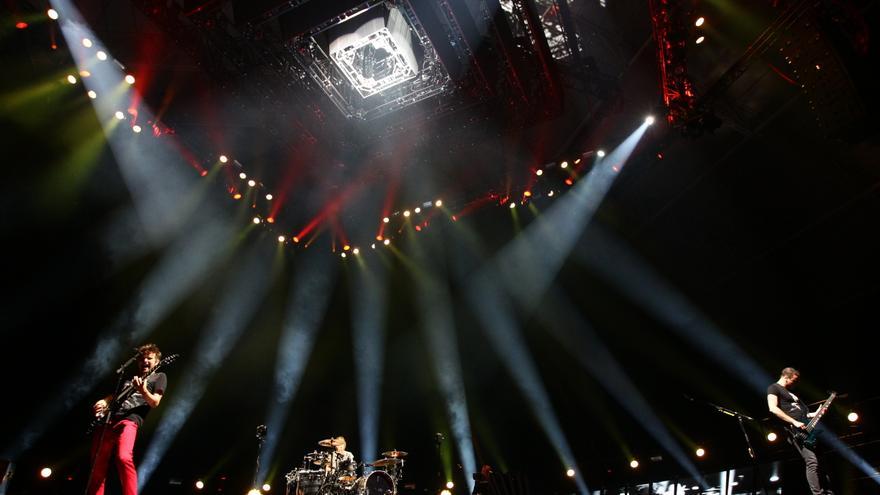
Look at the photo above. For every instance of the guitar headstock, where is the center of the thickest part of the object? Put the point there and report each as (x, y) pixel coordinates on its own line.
(166, 361)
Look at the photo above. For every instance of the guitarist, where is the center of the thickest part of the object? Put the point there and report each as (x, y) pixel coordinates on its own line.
(116, 437)
(789, 408)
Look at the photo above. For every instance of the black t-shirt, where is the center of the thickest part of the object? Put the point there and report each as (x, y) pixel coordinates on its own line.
(135, 407)
(788, 402)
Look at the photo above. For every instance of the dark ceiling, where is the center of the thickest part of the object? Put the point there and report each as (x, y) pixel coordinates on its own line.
(765, 221)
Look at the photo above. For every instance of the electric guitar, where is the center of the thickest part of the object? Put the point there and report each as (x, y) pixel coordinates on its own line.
(127, 390)
(806, 436)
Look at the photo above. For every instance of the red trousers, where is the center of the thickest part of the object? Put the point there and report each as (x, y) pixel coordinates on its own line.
(118, 441)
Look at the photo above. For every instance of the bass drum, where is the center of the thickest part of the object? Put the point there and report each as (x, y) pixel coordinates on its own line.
(376, 483)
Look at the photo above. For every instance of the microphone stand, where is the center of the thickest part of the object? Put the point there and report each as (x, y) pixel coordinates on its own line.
(739, 419)
(96, 443)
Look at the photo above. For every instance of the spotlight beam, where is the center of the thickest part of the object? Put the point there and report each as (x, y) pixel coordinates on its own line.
(439, 326)
(627, 271)
(369, 296)
(575, 333)
(245, 290)
(305, 311)
(495, 313)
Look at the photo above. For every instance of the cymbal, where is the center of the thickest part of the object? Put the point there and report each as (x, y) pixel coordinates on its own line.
(394, 453)
(327, 442)
(385, 462)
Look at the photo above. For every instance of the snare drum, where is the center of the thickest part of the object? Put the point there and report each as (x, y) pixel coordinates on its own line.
(376, 483)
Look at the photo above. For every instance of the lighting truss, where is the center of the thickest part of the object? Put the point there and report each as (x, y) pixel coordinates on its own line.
(370, 69)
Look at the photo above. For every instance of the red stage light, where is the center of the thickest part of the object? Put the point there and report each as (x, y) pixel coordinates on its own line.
(21, 25)
(569, 182)
(271, 219)
(203, 173)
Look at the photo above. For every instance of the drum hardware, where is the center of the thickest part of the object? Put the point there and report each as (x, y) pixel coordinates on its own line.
(377, 483)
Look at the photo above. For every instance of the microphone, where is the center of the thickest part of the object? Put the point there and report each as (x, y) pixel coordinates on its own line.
(121, 369)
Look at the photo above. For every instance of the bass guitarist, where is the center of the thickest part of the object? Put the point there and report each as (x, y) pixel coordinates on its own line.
(123, 416)
(789, 408)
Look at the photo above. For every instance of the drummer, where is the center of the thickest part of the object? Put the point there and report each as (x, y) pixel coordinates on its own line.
(341, 462)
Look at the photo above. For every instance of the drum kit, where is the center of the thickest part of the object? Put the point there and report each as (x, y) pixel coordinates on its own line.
(328, 472)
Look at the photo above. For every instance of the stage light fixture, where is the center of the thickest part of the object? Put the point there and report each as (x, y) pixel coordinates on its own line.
(253, 491)
(852, 417)
(223, 159)
(71, 79)
(343, 255)
(551, 193)
(417, 210)
(450, 485)
(569, 472)
(512, 205)
(102, 55)
(600, 153)
(242, 175)
(119, 115)
(563, 165)
(649, 119)
(445, 492)
(92, 94)
(257, 220)
(136, 128)
(129, 79)
(386, 242)
(771, 437)
(53, 14)
(539, 172)
(269, 197)
(270, 219)
(87, 42)
(252, 183)
(406, 213)
(386, 220)
(296, 239)
(700, 39)
(236, 196)
(700, 21)
(373, 245)
(267, 487)
(200, 484)
(84, 74)
(356, 251)
(700, 452)
(45, 472)
(438, 203)
(634, 464)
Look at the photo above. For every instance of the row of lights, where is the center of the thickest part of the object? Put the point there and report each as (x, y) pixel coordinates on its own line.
(101, 55)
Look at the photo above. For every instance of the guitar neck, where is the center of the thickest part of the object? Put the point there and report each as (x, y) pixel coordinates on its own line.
(821, 411)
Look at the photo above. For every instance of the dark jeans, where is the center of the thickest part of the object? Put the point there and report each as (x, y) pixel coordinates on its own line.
(812, 463)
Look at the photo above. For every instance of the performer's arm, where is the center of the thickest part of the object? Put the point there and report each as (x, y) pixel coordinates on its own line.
(152, 398)
(102, 405)
(773, 405)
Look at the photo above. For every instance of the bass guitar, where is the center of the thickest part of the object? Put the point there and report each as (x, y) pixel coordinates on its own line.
(127, 390)
(806, 436)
